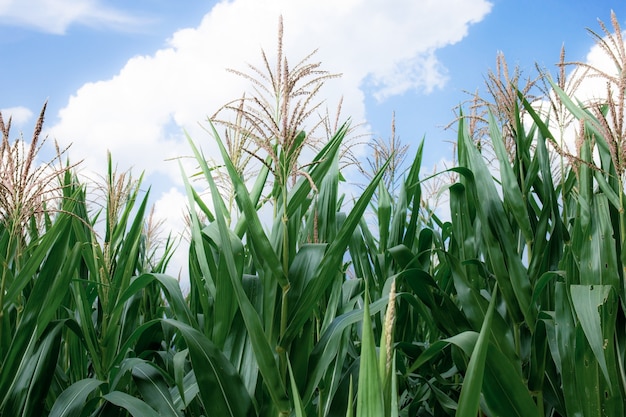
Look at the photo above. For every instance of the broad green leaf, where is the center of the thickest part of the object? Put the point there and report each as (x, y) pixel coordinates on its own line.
(565, 331)
(221, 388)
(469, 400)
(475, 308)
(303, 269)
(323, 162)
(350, 408)
(505, 262)
(466, 341)
(46, 295)
(262, 349)
(154, 389)
(133, 405)
(331, 341)
(256, 234)
(179, 360)
(128, 253)
(413, 190)
(394, 412)
(225, 305)
(330, 264)
(597, 251)
(35, 374)
(72, 401)
(182, 399)
(504, 390)
(538, 357)
(203, 284)
(171, 289)
(384, 216)
(587, 301)
(510, 188)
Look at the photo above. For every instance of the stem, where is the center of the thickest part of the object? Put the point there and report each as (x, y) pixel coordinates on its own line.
(2, 286)
(622, 218)
(516, 335)
(284, 305)
(285, 260)
(5, 269)
(540, 403)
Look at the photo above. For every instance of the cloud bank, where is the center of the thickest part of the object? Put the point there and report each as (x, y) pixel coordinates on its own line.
(140, 112)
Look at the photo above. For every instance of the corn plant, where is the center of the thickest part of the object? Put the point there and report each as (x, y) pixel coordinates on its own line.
(530, 271)
(301, 304)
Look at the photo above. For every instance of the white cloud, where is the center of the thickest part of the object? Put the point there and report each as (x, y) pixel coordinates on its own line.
(55, 16)
(19, 115)
(139, 114)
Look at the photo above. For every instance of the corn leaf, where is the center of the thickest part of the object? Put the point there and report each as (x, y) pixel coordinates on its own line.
(133, 405)
(154, 389)
(469, 399)
(221, 388)
(370, 400)
(71, 402)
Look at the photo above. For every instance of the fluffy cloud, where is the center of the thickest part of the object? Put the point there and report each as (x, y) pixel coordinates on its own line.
(140, 113)
(19, 115)
(55, 16)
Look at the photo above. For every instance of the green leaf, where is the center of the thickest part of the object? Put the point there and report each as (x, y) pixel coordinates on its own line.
(331, 342)
(154, 389)
(466, 341)
(469, 399)
(498, 237)
(587, 300)
(262, 349)
(256, 235)
(72, 401)
(565, 330)
(504, 390)
(331, 263)
(133, 405)
(179, 361)
(297, 400)
(370, 400)
(221, 388)
(513, 196)
(35, 374)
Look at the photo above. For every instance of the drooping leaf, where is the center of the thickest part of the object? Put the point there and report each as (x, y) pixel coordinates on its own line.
(72, 401)
(221, 388)
(135, 406)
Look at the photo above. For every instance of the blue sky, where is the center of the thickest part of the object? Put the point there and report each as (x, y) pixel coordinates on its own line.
(130, 76)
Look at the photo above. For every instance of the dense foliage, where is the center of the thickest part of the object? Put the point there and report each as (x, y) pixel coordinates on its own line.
(515, 305)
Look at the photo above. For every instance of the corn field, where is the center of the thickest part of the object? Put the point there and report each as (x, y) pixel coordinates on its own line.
(514, 306)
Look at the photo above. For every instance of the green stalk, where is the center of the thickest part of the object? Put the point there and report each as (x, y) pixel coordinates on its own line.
(540, 404)
(5, 268)
(516, 335)
(622, 220)
(2, 287)
(284, 305)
